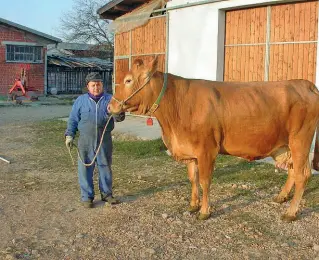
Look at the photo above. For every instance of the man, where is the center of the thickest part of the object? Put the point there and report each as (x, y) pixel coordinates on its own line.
(89, 115)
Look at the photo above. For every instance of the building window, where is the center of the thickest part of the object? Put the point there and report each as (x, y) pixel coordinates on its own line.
(21, 53)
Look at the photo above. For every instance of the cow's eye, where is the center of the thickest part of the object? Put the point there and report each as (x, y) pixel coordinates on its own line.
(128, 81)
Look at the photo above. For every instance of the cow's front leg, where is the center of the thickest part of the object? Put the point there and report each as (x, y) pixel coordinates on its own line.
(205, 168)
(193, 177)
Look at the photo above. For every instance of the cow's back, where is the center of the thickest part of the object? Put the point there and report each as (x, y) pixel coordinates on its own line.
(251, 119)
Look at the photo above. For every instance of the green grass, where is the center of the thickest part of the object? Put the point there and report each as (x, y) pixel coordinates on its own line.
(148, 161)
(140, 149)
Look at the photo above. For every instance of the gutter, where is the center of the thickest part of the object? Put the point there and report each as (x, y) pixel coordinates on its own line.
(188, 5)
(112, 4)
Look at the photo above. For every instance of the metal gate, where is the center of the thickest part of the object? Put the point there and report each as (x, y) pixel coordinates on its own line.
(72, 81)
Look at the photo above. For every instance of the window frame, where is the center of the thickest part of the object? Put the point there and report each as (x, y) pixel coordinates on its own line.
(21, 50)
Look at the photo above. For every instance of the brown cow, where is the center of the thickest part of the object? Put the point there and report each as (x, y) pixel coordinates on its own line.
(201, 118)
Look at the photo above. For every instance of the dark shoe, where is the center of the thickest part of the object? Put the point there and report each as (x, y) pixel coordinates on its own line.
(87, 204)
(111, 200)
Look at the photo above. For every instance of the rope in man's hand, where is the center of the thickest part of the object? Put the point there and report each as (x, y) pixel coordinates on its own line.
(69, 144)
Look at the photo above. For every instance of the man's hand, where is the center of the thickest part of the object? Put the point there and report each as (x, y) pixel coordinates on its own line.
(69, 141)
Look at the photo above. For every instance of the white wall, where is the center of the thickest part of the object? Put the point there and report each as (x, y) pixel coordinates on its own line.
(196, 37)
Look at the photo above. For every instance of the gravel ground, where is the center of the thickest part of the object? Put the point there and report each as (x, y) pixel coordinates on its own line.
(25, 114)
(41, 217)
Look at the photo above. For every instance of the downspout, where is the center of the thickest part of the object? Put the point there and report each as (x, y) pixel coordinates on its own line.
(167, 42)
(45, 71)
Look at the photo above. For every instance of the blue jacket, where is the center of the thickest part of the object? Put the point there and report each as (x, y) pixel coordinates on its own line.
(90, 117)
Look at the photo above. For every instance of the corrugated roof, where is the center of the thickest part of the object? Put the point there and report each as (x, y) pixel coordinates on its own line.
(27, 29)
(77, 62)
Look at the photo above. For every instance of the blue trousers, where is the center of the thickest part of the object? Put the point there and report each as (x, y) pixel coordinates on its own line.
(103, 162)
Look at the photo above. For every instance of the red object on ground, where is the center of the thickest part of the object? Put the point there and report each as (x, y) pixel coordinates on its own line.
(149, 121)
(18, 85)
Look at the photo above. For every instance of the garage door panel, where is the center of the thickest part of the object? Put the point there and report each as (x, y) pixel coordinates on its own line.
(294, 22)
(289, 61)
(244, 63)
(314, 21)
(292, 45)
(312, 62)
(246, 26)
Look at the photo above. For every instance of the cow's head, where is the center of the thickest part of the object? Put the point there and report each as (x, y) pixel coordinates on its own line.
(135, 93)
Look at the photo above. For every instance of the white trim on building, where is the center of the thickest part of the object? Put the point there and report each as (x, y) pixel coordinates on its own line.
(197, 32)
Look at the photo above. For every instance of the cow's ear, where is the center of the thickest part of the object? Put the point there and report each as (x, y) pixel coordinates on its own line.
(138, 63)
(152, 67)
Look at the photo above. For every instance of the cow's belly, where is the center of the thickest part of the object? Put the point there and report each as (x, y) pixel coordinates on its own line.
(179, 147)
(252, 144)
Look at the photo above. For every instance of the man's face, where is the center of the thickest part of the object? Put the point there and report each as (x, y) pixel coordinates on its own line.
(95, 87)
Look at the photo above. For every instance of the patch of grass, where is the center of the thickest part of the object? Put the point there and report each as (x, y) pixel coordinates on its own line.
(311, 194)
(143, 167)
(140, 149)
(236, 170)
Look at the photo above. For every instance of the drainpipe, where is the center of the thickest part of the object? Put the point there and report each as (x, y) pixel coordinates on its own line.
(167, 42)
(45, 71)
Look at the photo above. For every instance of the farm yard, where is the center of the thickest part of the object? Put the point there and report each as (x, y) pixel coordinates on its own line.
(41, 216)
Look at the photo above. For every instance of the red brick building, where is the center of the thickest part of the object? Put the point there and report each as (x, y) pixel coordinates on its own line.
(22, 47)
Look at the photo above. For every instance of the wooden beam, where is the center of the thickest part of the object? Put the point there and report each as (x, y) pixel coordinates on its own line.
(109, 16)
(124, 8)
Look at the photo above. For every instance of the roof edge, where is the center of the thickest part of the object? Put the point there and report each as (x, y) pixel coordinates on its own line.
(27, 29)
(108, 6)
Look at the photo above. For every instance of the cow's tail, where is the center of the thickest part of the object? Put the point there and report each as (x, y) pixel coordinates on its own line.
(315, 161)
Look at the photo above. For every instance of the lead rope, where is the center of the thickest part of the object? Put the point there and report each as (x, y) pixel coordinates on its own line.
(97, 151)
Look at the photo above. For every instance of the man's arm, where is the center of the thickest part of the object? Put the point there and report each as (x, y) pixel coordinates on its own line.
(74, 119)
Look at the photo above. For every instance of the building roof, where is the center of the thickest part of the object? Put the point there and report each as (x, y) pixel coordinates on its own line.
(77, 62)
(27, 29)
(75, 46)
(116, 8)
(54, 51)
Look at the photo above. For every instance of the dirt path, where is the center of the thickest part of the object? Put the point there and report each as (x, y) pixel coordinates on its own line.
(41, 217)
(14, 114)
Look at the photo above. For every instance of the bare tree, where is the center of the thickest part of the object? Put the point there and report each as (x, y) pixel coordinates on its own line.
(83, 25)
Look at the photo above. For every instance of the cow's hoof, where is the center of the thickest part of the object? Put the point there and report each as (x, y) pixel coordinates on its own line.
(288, 218)
(280, 199)
(202, 216)
(193, 209)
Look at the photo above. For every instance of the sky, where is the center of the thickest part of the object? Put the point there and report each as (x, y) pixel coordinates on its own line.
(40, 15)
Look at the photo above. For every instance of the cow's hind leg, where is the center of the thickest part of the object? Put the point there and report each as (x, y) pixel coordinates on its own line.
(193, 177)
(284, 194)
(283, 159)
(301, 173)
(315, 161)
